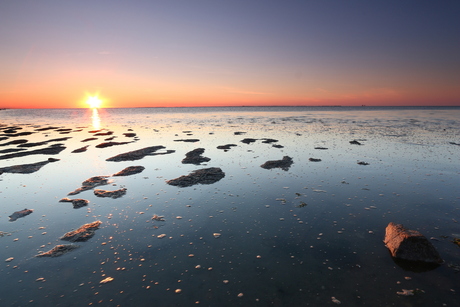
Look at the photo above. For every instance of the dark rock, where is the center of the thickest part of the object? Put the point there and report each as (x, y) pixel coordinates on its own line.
(130, 170)
(108, 144)
(64, 129)
(277, 146)
(268, 141)
(201, 176)
(81, 149)
(18, 134)
(239, 133)
(77, 203)
(284, 164)
(248, 140)
(113, 194)
(90, 183)
(410, 245)
(82, 234)
(51, 150)
(226, 147)
(58, 250)
(363, 163)
(24, 168)
(314, 160)
(355, 142)
(103, 133)
(321, 148)
(89, 139)
(188, 140)
(14, 142)
(195, 157)
(18, 214)
(94, 131)
(10, 150)
(46, 128)
(44, 142)
(139, 154)
(129, 135)
(453, 143)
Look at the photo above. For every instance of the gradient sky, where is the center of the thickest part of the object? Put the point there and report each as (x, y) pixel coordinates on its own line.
(229, 52)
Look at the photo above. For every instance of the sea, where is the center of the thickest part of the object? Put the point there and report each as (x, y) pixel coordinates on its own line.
(309, 233)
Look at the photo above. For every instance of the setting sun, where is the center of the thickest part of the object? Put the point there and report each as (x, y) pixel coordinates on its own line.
(94, 102)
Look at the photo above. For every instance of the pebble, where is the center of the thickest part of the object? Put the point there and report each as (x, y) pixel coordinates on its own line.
(9, 259)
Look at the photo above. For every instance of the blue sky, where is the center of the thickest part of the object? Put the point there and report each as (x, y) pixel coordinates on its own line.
(185, 53)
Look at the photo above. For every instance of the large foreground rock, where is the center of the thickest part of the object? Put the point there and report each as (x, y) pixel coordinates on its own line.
(410, 245)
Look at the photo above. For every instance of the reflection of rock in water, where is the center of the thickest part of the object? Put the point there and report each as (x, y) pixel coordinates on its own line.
(84, 233)
(18, 214)
(91, 183)
(415, 266)
(130, 170)
(26, 168)
(201, 176)
(113, 194)
(284, 163)
(58, 250)
(139, 154)
(195, 157)
(410, 248)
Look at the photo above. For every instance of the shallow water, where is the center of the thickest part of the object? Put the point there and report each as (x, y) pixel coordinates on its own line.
(287, 238)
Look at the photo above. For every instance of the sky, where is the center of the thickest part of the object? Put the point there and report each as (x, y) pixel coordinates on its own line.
(168, 53)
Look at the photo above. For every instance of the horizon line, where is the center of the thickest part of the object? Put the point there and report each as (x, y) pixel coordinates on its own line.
(246, 106)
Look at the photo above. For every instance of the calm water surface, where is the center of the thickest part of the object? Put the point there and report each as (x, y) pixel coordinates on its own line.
(295, 237)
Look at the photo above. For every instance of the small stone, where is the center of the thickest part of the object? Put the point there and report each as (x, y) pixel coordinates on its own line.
(405, 292)
(336, 301)
(106, 280)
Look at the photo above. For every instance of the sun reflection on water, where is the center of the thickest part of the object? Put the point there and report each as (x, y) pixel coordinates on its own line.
(96, 119)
